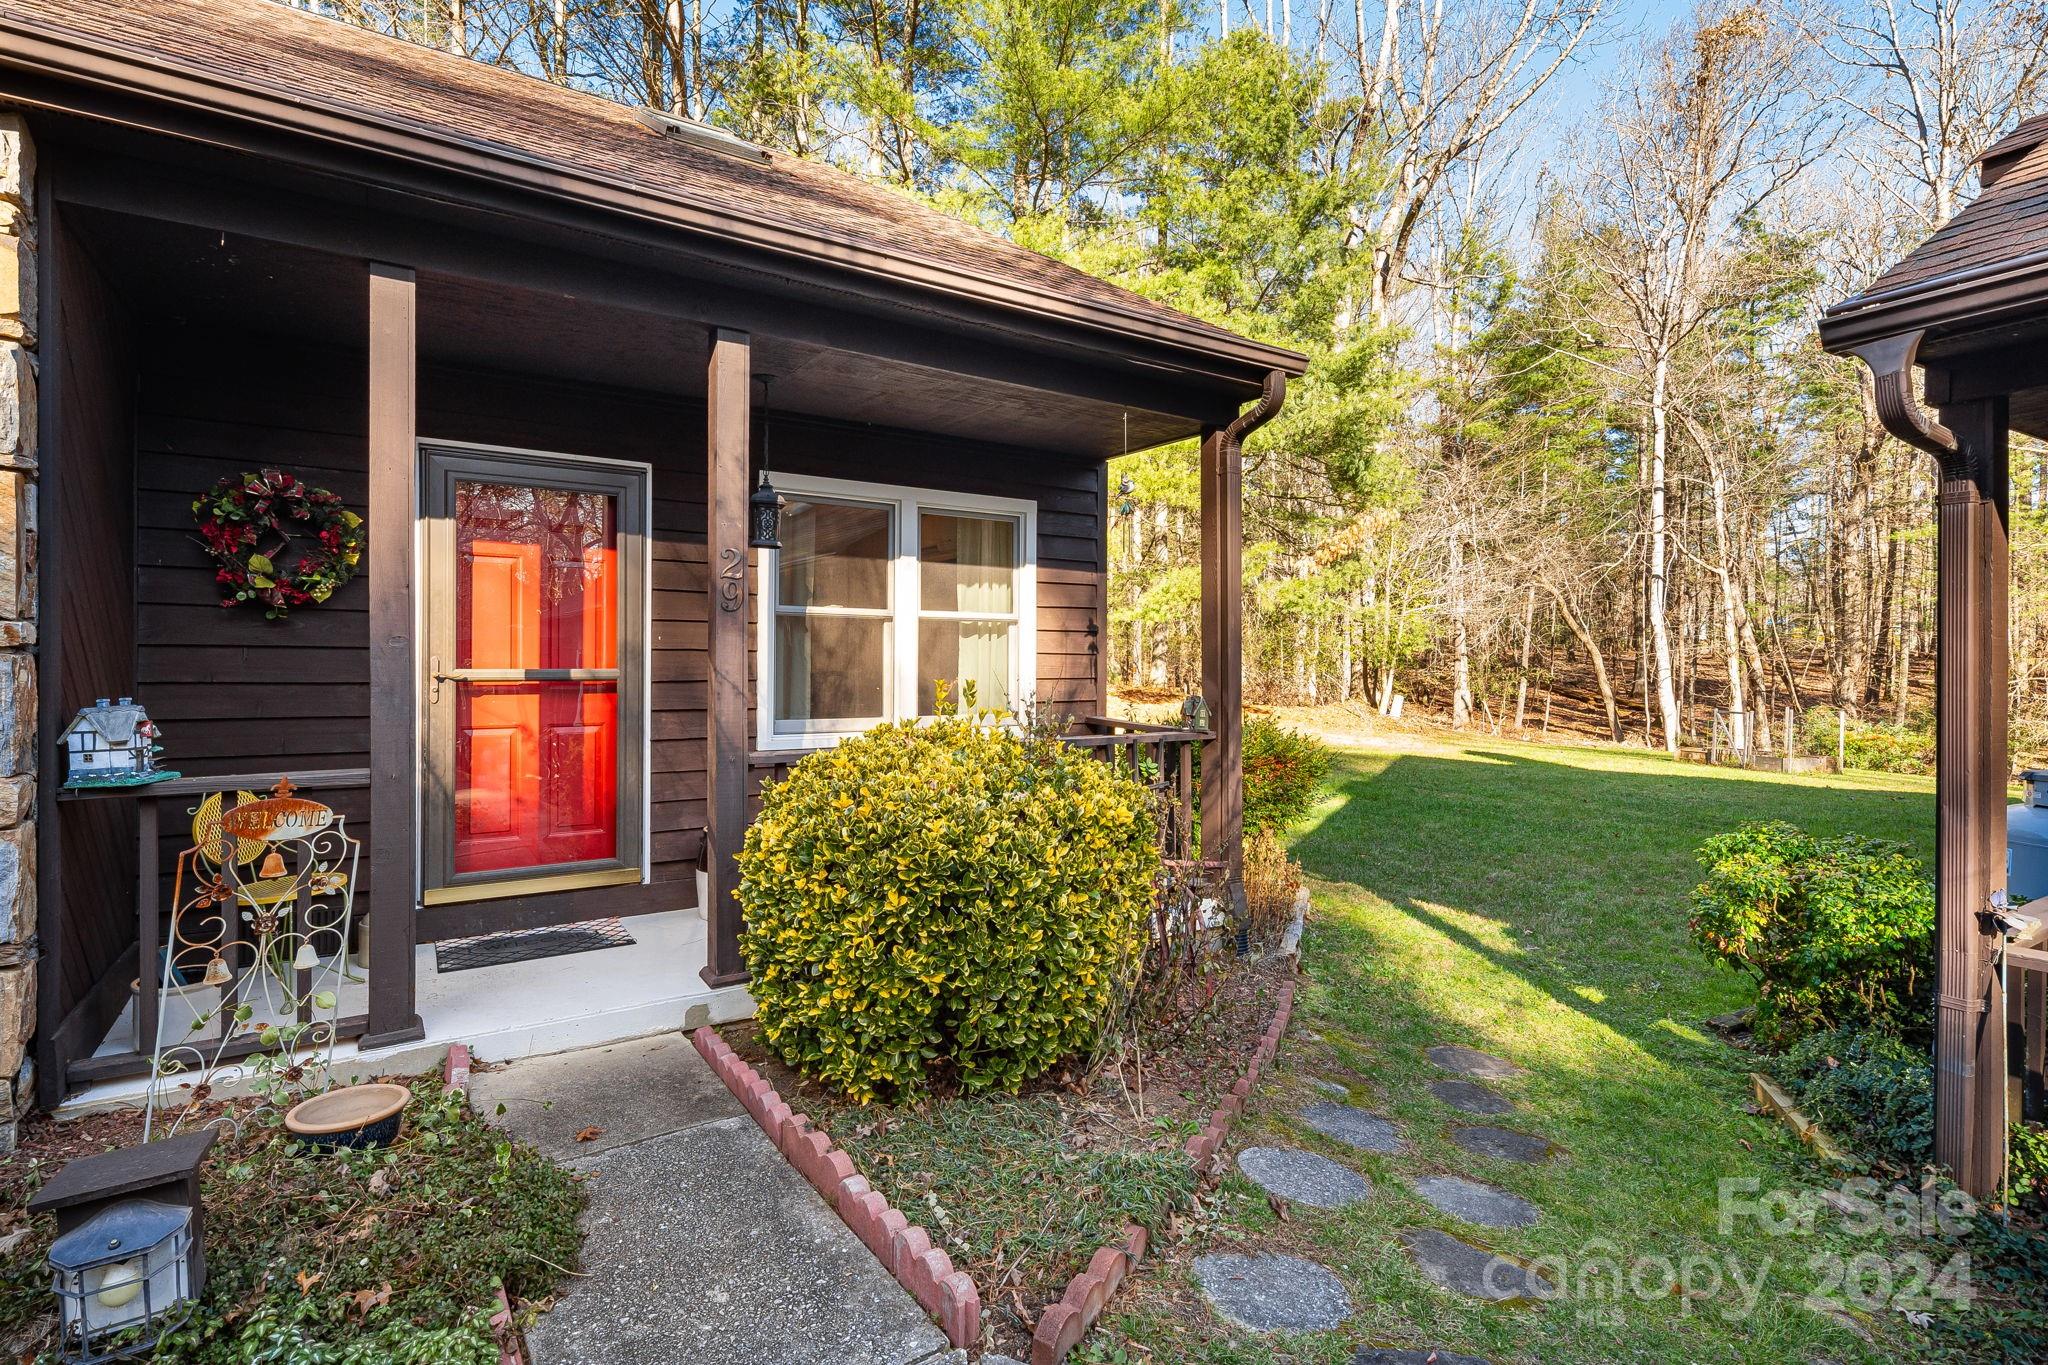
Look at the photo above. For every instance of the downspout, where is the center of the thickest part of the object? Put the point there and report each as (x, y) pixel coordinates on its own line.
(1891, 364)
(1272, 397)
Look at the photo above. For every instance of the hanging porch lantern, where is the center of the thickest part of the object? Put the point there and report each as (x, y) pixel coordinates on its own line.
(765, 516)
(129, 1260)
(764, 508)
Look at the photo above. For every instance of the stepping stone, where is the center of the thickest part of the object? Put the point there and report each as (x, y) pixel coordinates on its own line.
(1472, 1271)
(1342, 1092)
(1272, 1293)
(1303, 1177)
(1503, 1144)
(1354, 1127)
(1380, 1355)
(1476, 1202)
(1471, 1097)
(1471, 1062)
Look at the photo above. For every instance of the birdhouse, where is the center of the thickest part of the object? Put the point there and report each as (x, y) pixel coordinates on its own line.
(110, 744)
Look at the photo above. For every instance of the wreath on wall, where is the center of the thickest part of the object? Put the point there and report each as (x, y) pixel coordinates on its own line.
(276, 542)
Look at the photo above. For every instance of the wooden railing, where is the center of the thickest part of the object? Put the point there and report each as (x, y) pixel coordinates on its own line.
(150, 913)
(2026, 1012)
(1164, 758)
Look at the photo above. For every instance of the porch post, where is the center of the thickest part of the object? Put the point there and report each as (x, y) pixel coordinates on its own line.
(1223, 649)
(726, 450)
(394, 721)
(1970, 780)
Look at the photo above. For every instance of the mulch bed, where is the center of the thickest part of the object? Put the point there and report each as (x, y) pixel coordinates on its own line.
(1023, 1189)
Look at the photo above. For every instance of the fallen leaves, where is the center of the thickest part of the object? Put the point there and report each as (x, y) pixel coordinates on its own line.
(363, 1300)
(590, 1134)
(306, 1282)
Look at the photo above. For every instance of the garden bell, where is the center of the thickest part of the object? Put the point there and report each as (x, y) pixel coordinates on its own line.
(273, 865)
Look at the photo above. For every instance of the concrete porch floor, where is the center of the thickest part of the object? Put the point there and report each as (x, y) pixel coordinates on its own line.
(702, 1244)
(521, 1009)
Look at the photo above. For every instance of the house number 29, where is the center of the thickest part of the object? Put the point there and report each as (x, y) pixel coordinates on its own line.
(732, 580)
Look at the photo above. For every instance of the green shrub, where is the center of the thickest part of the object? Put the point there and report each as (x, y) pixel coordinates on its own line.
(1869, 746)
(1283, 769)
(1872, 1090)
(1839, 932)
(943, 900)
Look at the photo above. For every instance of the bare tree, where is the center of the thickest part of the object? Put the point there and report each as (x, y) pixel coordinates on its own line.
(1722, 119)
(1436, 84)
(1938, 82)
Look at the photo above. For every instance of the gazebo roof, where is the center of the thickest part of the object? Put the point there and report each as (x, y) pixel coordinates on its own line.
(1988, 263)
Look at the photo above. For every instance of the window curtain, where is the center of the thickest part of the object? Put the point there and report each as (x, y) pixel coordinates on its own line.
(793, 646)
(986, 554)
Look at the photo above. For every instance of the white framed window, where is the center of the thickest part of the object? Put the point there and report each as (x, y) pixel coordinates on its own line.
(878, 594)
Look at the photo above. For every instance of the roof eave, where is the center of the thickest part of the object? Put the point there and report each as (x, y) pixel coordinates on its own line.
(1961, 298)
(93, 64)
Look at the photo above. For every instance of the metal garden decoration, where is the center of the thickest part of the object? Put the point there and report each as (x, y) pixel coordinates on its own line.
(252, 524)
(256, 954)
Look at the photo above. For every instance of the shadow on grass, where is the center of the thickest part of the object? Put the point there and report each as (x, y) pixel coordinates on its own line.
(1533, 903)
(1584, 870)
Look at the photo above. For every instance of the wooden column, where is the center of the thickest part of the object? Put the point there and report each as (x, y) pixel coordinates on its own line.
(725, 554)
(1098, 626)
(1970, 781)
(1223, 649)
(394, 713)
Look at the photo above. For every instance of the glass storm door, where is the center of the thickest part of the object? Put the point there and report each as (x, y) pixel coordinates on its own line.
(533, 688)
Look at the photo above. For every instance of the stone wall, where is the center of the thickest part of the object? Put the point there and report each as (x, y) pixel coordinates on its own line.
(18, 944)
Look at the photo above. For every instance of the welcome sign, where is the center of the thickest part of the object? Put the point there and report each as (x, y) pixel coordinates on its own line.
(278, 817)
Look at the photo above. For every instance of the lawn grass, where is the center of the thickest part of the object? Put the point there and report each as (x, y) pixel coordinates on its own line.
(1531, 901)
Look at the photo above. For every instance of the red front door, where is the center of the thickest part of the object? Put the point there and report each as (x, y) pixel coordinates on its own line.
(536, 676)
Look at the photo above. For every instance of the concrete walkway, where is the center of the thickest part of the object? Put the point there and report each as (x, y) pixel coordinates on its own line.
(701, 1244)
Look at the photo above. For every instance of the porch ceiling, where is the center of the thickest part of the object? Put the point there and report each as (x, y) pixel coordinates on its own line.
(199, 278)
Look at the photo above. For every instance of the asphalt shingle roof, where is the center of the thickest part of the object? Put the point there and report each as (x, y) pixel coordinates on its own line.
(2007, 220)
(270, 49)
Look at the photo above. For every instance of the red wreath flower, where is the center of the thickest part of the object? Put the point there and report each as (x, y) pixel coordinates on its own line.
(248, 523)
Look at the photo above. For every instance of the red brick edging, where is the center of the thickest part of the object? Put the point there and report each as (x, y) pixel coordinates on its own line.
(1061, 1326)
(455, 1075)
(902, 1247)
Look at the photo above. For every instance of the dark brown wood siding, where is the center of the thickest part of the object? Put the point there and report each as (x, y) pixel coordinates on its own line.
(91, 573)
(235, 692)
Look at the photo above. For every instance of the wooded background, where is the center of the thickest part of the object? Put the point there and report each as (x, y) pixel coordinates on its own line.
(1567, 431)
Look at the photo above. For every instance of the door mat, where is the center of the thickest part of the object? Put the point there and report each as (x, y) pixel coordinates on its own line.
(528, 945)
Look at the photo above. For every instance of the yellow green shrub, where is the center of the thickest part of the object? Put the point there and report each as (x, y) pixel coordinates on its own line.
(943, 900)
